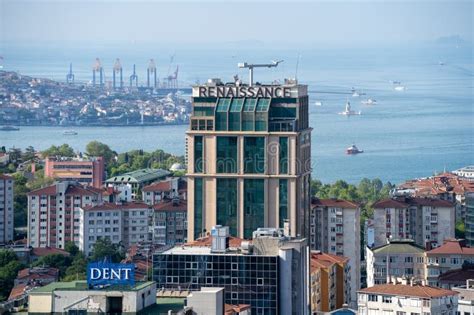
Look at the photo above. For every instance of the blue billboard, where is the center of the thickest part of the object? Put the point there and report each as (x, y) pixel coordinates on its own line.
(104, 273)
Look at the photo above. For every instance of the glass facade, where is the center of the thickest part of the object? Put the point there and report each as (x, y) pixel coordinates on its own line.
(261, 114)
(254, 155)
(235, 113)
(283, 155)
(221, 113)
(254, 206)
(198, 201)
(246, 279)
(226, 204)
(226, 159)
(248, 115)
(283, 201)
(198, 154)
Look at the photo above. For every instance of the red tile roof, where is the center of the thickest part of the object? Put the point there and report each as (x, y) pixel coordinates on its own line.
(170, 205)
(72, 189)
(17, 291)
(5, 177)
(389, 203)
(456, 276)
(408, 290)
(439, 185)
(335, 203)
(324, 260)
(451, 246)
(114, 206)
(37, 273)
(43, 251)
(159, 186)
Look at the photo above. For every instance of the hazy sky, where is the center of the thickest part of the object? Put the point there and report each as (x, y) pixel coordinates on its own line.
(269, 21)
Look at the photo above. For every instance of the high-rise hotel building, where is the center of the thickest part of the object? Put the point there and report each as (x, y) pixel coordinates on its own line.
(249, 158)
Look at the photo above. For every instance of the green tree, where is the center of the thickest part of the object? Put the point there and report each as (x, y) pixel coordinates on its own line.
(96, 148)
(9, 267)
(105, 249)
(29, 154)
(460, 230)
(71, 248)
(20, 200)
(59, 261)
(62, 150)
(77, 270)
(39, 181)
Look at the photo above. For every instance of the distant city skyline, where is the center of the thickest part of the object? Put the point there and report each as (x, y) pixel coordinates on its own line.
(181, 22)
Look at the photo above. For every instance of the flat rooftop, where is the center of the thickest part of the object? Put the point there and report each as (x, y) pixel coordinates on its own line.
(81, 285)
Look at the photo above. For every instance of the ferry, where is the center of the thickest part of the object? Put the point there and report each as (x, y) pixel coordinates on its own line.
(69, 133)
(369, 101)
(399, 88)
(348, 111)
(9, 128)
(353, 149)
(318, 103)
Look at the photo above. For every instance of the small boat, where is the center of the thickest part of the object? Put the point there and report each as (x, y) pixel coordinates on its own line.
(369, 101)
(348, 111)
(318, 103)
(355, 94)
(9, 128)
(353, 149)
(69, 133)
(399, 88)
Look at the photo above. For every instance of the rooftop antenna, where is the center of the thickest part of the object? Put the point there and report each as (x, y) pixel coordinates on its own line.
(250, 66)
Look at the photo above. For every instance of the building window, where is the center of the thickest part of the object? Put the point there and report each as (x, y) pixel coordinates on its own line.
(198, 154)
(386, 299)
(283, 155)
(235, 113)
(227, 203)
(248, 114)
(254, 206)
(260, 281)
(226, 160)
(198, 199)
(208, 280)
(221, 113)
(283, 201)
(235, 281)
(254, 155)
(373, 298)
(235, 266)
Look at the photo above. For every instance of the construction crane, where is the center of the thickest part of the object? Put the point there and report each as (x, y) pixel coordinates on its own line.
(173, 79)
(70, 75)
(251, 66)
(98, 68)
(151, 70)
(117, 70)
(134, 77)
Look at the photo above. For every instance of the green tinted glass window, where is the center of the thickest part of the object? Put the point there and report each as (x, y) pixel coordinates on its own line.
(226, 159)
(203, 111)
(283, 201)
(235, 113)
(221, 113)
(263, 104)
(198, 200)
(254, 155)
(236, 105)
(198, 154)
(283, 155)
(226, 204)
(249, 104)
(282, 112)
(254, 206)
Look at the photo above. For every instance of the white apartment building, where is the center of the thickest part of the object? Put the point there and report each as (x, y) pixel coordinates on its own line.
(465, 298)
(392, 262)
(125, 223)
(6, 209)
(53, 213)
(335, 229)
(423, 220)
(402, 299)
(449, 256)
(159, 191)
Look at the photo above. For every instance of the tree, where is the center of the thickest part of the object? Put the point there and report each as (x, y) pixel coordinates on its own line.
(9, 267)
(460, 230)
(105, 249)
(63, 150)
(59, 261)
(77, 270)
(96, 148)
(29, 154)
(71, 248)
(40, 181)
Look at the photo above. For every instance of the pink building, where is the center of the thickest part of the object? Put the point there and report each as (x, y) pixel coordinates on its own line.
(86, 171)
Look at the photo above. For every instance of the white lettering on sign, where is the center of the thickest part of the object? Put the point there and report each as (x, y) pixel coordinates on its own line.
(245, 91)
(110, 273)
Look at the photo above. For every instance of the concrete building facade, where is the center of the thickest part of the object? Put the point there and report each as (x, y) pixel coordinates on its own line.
(170, 225)
(248, 158)
(54, 213)
(335, 229)
(424, 220)
(86, 171)
(6, 209)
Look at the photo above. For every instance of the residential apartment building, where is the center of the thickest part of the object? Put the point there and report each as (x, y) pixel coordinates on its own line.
(335, 229)
(89, 171)
(137, 180)
(124, 223)
(170, 226)
(395, 261)
(270, 273)
(330, 286)
(465, 298)
(6, 209)
(249, 158)
(403, 299)
(469, 223)
(449, 256)
(425, 220)
(54, 213)
(158, 191)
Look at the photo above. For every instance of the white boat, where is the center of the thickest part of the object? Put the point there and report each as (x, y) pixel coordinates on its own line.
(355, 94)
(353, 149)
(318, 103)
(70, 133)
(348, 111)
(369, 101)
(399, 88)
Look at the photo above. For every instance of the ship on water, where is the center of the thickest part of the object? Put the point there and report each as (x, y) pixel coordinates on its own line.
(70, 133)
(9, 128)
(353, 149)
(348, 111)
(369, 101)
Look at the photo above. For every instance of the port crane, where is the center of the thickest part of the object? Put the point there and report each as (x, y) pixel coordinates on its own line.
(134, 77)
(251, 66)
(98, 68)
(117, 70)
(151, 70)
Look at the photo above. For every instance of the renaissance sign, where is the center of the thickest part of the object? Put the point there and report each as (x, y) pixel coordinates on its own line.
(245, 91)
(100, 273)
